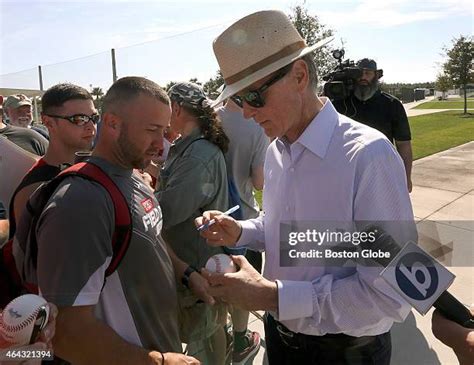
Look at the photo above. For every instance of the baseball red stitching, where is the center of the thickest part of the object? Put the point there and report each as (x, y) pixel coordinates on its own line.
(20, 326)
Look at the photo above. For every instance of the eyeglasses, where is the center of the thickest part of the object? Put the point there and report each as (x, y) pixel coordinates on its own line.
(78, 119)
(254, 98)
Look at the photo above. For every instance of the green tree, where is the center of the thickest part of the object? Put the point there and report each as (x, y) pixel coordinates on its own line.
(98, 95)
(443, 83)
(169, 85)
(458, 68)
(212, 86)
(194, 80)
(97, 92)
(312, 31)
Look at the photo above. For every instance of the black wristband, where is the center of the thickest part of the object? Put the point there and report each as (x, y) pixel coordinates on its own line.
(187, 273)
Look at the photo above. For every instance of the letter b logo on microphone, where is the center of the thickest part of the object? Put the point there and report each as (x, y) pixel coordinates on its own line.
(416, 276)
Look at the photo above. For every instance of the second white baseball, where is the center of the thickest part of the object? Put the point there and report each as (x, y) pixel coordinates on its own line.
(20, 316)
(220, 263)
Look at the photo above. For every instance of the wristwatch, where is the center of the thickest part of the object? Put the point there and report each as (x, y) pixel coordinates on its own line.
(187, 273)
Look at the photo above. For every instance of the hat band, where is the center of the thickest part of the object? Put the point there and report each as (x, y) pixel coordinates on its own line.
(265, 62)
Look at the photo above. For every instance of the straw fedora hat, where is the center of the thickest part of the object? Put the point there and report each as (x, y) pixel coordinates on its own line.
(256, 46)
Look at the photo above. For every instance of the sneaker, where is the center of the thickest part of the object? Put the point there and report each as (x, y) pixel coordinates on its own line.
(241, 357)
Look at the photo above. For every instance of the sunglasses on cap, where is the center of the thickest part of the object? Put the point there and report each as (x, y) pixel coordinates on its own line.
(254, 98)
(78, 119)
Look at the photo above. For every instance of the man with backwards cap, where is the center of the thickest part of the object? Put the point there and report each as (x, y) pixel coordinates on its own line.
(321, 166)
(380, 110)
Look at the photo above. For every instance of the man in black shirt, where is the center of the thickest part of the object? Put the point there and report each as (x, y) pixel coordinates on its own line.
(379, 110)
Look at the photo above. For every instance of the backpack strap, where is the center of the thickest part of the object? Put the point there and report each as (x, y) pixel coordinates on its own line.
(37, 174)
(123, 218)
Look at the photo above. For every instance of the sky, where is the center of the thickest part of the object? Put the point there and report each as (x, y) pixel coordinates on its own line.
(172, 40)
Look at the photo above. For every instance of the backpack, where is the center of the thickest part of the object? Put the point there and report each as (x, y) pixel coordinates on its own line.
(12, 283)
(42, 173)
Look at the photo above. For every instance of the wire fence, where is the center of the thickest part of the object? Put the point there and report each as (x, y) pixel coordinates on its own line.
(175, 58)
(26, 79)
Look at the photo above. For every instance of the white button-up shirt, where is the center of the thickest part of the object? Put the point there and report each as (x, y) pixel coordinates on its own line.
(337, 170)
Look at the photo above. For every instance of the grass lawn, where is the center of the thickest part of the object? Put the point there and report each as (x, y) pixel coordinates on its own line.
(432, 133)
(457, 103)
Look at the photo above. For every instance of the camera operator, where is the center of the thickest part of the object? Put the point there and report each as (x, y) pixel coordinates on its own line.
(371, 106)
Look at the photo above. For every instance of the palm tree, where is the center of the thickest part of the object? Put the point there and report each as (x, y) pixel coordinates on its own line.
(97, 92)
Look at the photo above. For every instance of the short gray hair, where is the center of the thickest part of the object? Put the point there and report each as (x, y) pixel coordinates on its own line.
(312, 70)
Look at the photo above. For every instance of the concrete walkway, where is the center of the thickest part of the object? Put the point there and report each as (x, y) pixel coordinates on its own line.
(443, 202)
(413, 104)
(412, 112)
(416, 112)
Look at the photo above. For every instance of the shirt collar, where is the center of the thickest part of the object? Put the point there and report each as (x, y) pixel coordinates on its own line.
(318, 133)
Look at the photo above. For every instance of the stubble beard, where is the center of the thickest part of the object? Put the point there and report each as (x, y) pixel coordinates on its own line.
(129, 154)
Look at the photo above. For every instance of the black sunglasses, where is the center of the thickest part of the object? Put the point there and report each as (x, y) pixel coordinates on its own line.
(255, 98)
(78, 119)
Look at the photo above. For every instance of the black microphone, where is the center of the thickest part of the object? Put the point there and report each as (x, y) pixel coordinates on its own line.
(446, 303)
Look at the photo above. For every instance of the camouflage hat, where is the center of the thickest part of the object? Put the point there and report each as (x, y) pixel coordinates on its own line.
(15, 101)
(190, 94)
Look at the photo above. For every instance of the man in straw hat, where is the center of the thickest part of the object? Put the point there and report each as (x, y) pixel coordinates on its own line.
(322, 166)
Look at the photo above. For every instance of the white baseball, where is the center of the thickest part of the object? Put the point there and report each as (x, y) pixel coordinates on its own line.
(220, 263)
(19, 317)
